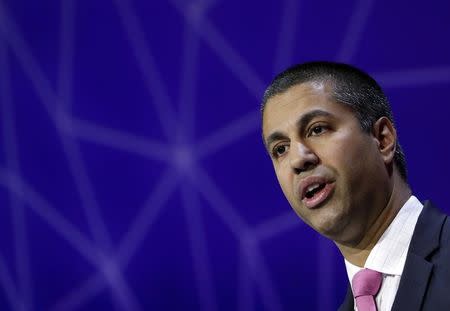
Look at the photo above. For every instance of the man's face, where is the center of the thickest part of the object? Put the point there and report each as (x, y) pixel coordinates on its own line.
(331, 172)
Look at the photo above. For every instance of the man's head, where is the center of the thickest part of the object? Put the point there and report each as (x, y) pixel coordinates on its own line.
(349, 86)
(329, 130)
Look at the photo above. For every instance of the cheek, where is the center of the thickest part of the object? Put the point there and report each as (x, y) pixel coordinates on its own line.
(339, 155)
(357, 160)
(348, 155)
(350, 151)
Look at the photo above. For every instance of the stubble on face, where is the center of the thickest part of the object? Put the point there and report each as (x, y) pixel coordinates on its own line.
(345, 154)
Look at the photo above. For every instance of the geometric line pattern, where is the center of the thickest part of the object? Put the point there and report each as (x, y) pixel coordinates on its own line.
(183, 173)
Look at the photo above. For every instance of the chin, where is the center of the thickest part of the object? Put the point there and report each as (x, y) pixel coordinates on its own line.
(331, 226)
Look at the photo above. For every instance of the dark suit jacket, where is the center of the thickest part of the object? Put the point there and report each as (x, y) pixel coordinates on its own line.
(425, 282)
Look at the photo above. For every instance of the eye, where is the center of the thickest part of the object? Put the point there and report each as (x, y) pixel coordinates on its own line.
(279, 150)
(317, 130)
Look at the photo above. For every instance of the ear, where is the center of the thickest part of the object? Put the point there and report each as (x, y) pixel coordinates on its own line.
(385, 136)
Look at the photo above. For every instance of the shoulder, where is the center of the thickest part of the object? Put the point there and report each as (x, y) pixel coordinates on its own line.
(446, 232)
(435, 225)
(431, 243)
(432, 218)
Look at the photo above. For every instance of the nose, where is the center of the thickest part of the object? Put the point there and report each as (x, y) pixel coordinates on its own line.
(302, 158)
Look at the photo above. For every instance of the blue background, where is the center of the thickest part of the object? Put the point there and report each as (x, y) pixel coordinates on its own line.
(132, 173)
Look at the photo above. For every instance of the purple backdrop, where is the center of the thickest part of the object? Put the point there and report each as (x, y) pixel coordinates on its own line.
(132, 173)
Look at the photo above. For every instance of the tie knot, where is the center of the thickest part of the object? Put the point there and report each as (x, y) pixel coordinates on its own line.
(366, 282)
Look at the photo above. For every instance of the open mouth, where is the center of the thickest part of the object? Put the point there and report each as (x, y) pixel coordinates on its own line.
(317, 193)
(313, 190)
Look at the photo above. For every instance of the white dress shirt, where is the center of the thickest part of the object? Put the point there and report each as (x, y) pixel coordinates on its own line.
(389, 254)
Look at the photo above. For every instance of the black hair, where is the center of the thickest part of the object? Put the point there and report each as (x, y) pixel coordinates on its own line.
(350, 86)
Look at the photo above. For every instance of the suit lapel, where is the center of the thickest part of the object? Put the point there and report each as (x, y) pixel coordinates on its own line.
(347, 305)
(417, 271)
(413, 284)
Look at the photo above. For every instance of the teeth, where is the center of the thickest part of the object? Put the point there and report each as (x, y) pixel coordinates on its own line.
(312, 187)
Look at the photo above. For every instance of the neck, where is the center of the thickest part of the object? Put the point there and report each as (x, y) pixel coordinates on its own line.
(357, 253)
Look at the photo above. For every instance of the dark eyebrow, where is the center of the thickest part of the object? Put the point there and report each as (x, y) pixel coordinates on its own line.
(301, 124)
(274, 137)
(305, 119)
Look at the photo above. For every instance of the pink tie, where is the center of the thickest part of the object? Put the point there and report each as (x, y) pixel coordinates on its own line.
(366, 284)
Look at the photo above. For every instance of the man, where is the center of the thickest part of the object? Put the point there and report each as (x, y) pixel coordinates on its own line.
(330, 133)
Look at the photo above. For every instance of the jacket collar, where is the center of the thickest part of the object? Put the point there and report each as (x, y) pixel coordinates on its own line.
(418, 268)
(416, 273)
(347, 305)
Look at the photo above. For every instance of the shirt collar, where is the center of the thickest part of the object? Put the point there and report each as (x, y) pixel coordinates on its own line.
(389, 254)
